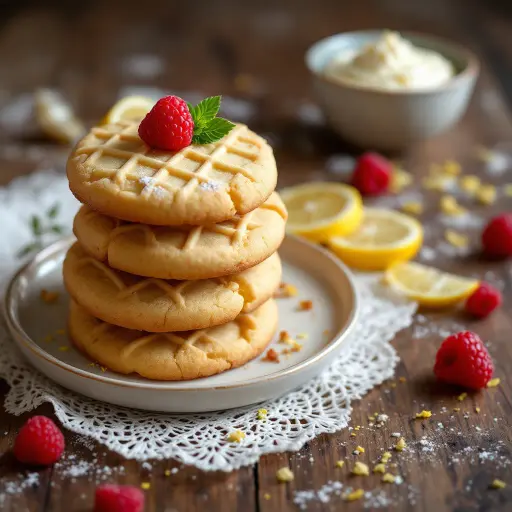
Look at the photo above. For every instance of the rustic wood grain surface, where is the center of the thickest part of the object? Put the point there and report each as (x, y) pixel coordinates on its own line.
(84, 50)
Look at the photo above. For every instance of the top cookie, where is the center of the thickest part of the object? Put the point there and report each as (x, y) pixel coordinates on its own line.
(112, 170)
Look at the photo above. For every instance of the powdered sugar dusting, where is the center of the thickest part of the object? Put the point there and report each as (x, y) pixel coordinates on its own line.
(10, 487)
(322, 495)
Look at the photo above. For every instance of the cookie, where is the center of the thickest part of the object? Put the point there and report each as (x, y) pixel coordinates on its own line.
(198, 252)
(158, 305)
(113, 171)
(174, 356)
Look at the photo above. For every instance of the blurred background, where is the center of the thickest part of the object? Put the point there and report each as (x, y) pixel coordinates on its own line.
(94, 52)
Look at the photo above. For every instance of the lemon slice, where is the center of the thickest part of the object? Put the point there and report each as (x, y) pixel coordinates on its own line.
(55, 116)
(429, 286)
(321, 210)
(383, 238)
(128, 109)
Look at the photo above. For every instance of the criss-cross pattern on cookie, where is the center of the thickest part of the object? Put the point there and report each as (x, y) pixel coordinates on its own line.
(245, 322)
(174, 292)
(119, 155)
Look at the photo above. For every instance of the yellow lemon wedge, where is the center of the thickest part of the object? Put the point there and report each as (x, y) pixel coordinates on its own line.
(321, 210)
(429, 286)
(128, 108)
(383, 238)
(55, 116)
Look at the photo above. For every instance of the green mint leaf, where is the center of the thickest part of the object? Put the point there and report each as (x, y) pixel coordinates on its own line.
(205, 110)
(35, 224)
(57, 229)
(213, 131)
(53, 211)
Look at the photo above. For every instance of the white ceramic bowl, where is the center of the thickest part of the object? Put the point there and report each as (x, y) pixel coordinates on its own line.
(391, 120)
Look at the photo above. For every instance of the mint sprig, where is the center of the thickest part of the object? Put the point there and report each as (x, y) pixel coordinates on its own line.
(207, 127)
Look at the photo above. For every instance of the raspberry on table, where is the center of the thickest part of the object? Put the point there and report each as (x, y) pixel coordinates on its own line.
(118, 498)
(462, 359)
(168, 125)
(497, 236)
(484, 300)
(39, 442)
(372, 174)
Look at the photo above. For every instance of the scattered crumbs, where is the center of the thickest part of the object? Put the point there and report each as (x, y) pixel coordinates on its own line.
(147, 466)
(174, 471)
(440, 425)
(400, 445)
(305, 305)
(302, 336)
(412, 207)
(469, 183)
(167, 472)
(388, 478)
(494, 382)
(64, 348)
(284, 475)
(236, 436)
(400, 179)
(477, 410)
(357, 494)
(261, 414)
(423, 415)
(145, 485)
(360, 469)
(450, 206)
(456, 239)
(462, 396)
(385, 457)
(439, 183)
(379, 468)
(456, 409)
(267, 496)
(402, 379)
(49, 297)
(323, 495)
(286, 290)
(498, 484)
(451, 167)
(352, 434)
(399, 480)
(486, 194)
(396, 434)
(382, 418)
(359, 449)
(340, 463)
(271, 356)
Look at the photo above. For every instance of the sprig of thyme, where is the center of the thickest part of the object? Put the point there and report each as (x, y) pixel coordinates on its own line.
(41, 226)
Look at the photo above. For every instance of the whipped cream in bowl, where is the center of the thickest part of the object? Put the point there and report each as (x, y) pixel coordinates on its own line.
(391, 63)
(386, 90)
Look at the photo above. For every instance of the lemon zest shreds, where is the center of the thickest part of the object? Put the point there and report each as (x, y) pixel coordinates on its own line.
(423, 415)
(284, 475)
(450, 206)
(360, 469)
(486, 194)
(498, 484)
(388, 478)
(469, 183)
(236, 436)
(379, 468)
(456, 239)
(412, 207)
(400, 445)
(493, 382)
(354, 495)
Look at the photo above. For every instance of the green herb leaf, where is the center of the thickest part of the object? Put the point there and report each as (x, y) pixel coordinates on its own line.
(35, 224)
(213, 131)
(29, 248)
(53, 211)
(204, 112)
(57, 229)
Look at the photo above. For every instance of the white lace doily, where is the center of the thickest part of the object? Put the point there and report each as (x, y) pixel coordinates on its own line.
(321, 406)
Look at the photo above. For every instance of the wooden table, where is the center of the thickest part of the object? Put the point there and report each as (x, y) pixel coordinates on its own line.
(82, 48)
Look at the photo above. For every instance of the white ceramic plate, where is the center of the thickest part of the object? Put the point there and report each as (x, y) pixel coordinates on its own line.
(317, 275)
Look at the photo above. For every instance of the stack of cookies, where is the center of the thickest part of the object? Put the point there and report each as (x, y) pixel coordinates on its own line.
(175, 266)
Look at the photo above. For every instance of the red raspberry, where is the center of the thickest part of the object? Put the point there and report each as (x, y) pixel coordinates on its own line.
(39, 442)
(497, 236)
(484, 300)
(463, 359)
(168, 125)
(118, 498)
(372, 174)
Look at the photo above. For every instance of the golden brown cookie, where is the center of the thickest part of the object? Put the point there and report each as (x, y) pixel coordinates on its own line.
(113, 171)
(198, 252)
(158, 305)
(174, 356)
